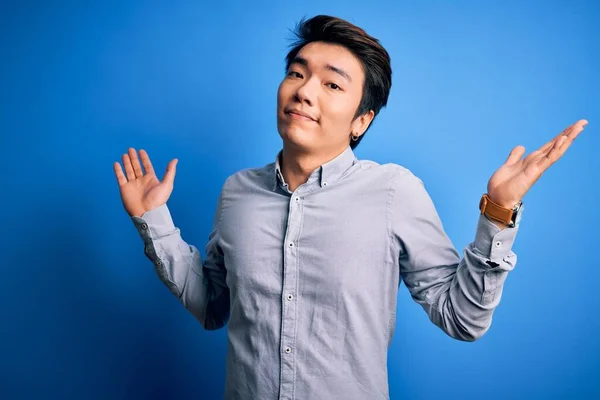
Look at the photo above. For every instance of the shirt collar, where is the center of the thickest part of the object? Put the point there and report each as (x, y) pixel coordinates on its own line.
(326, 173)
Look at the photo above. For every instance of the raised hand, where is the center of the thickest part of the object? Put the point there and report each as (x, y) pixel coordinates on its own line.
(509, 184)
(141, 191)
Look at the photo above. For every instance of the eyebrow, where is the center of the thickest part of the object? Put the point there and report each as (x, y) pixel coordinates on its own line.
(303, 61)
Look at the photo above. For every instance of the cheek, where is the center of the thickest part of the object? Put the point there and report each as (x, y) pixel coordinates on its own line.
(279, 94)
(284, 92)
(339, 114)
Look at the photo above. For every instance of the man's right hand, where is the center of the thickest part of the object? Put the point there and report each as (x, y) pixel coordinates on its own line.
(142, 191)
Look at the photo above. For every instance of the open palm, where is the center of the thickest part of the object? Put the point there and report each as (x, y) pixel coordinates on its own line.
(509, 184)
(141, 190)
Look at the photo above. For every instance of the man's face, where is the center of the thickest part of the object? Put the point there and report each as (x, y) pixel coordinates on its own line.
(325, 83)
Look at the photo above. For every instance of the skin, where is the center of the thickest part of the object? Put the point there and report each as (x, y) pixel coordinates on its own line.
(509, 184)
(330, 98)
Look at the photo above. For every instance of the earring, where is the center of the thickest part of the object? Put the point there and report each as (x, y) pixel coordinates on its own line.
(354, 138)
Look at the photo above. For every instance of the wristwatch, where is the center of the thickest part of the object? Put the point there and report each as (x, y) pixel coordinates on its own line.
(508, 216)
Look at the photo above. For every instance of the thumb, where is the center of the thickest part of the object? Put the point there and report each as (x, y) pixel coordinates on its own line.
(515, 155)
(170, 174)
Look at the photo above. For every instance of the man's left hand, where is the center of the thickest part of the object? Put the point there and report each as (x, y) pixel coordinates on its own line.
(509, 184)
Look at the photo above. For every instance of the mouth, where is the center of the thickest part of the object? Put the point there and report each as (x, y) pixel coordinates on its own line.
(300, 115)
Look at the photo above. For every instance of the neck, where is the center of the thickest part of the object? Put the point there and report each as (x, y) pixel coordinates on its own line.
(296, 166)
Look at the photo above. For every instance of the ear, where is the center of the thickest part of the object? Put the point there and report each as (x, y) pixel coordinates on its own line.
(362, 122)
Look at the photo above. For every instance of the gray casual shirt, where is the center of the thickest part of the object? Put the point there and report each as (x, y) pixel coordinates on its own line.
(307, 281)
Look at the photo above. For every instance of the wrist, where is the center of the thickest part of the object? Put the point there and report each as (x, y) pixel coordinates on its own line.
(500, 215)
(137, 213)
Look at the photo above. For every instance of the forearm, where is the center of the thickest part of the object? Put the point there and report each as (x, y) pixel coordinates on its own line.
(463, 303)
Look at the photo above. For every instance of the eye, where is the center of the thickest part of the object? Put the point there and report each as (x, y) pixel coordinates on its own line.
(295, 74)
(334, 86)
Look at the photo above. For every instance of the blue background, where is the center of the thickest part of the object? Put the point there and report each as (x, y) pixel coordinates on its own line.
(85, 316)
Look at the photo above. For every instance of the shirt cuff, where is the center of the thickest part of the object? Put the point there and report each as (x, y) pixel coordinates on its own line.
(492, 242)
(154, 223)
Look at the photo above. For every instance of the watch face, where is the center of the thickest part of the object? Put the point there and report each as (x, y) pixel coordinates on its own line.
(519, 214)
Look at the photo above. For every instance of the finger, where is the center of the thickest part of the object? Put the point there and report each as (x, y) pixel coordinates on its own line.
(128, 168)
(568, 137)
(146, 162)
(560, 146)
(170, 174)
(135, 162)
(548, 146)
(571, 132)
(577, 129)
(543, 152)
(515, 155)
(119, 174)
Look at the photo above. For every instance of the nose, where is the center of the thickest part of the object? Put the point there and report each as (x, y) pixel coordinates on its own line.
(306, 92)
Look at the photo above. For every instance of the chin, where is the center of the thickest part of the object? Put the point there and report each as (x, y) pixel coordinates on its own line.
(297, 137)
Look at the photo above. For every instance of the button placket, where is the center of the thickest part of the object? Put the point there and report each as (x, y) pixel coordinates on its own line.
(290, 271)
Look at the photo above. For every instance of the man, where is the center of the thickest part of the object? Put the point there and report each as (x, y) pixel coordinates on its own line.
(306, 254)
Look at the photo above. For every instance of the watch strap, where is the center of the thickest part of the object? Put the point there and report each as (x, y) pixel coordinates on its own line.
(495, 211)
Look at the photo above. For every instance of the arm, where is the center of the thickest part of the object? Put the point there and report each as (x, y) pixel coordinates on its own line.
(459, 295)
(199, 284)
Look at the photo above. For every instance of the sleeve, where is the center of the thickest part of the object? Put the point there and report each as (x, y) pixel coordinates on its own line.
(459, 295)
(199, 284)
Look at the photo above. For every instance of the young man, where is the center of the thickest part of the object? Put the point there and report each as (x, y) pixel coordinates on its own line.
(306, 254)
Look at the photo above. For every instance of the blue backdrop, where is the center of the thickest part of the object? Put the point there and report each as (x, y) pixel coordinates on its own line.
(84, 314)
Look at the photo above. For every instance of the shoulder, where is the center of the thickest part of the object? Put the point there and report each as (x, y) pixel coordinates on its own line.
(397, 175)
(250, 178)
(406, 190)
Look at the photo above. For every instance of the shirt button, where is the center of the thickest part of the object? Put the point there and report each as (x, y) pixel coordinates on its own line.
(297, 199)
(144, 226)
(159, 263)
(324, 183)
(290, 297)
(498, 244)
(288, 350)
(291, 244)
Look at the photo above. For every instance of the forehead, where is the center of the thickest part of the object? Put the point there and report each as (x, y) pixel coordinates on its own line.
(320, 54)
